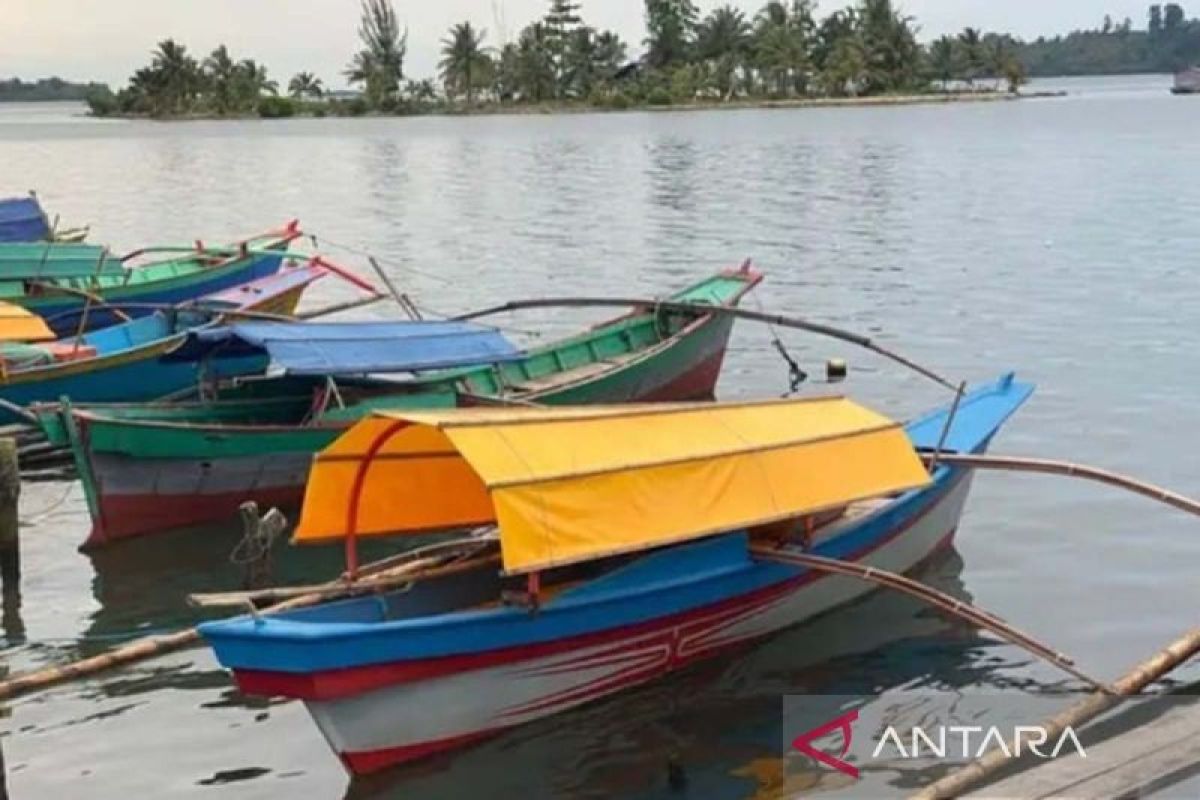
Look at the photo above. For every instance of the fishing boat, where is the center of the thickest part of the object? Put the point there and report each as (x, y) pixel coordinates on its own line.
(149, 468)
(626, 542)
(22, 219)
(1187, 81)
(21, 325)
(129, 361)
(58, 281)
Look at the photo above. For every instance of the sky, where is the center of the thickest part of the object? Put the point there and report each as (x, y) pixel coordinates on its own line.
(107, 39)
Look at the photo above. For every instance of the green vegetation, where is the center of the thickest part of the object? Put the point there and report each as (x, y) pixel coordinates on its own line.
(47, 89)
(781, 52)
(1170, 42)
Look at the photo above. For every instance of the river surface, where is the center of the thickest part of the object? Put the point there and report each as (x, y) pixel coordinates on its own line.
(1055, 237)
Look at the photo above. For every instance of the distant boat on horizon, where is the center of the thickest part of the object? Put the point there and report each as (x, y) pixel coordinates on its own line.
(1187, 81)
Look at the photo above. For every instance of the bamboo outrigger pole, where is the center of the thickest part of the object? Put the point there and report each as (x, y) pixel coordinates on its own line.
(1082, 712)
(1069, 470)
(782, 321)
(154, 646)
(951, 605)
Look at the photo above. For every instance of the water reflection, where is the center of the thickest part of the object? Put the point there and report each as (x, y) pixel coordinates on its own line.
(717, 724)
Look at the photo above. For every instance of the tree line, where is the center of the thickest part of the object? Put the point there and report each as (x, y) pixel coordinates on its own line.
(781, 51)
(15, 90)
(1169, 42)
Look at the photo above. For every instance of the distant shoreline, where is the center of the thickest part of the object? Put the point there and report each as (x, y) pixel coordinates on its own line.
(551, 108)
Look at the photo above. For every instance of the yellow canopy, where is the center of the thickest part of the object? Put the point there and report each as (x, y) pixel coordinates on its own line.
(574, 484)
(20, 325)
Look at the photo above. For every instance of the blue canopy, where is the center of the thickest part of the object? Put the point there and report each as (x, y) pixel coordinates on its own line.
(22, 220)
(353, 348)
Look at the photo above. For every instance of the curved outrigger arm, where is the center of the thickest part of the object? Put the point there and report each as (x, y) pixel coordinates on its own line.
(951, 605)
(781, 320)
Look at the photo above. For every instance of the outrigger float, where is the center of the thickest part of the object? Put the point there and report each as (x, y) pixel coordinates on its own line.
(147, 468)
(628, 542)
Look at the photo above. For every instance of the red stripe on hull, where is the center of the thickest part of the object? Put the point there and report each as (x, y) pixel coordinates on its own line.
(336, 683)
(365, 763)
(699, 382)
(131, 515)
(333, 684)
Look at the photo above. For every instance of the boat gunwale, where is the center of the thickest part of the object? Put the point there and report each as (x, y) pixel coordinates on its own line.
(751, 280)
(140, 351)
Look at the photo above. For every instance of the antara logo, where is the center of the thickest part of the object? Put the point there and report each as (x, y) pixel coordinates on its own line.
(804, 741)
(959, 742)
(941, 743)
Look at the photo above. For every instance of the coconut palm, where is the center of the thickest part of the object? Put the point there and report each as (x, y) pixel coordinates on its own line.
(535, 64)
(466, 64)
(724, 31)
(943, 59)
(971, 46)
(178, 78)
(782, 45)
(221, 72)
(379, 66)
(305, 85)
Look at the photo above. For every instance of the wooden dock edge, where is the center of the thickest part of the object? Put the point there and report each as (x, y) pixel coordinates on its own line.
(1148, 752)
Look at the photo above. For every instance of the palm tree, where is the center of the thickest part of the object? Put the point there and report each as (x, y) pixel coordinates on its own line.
(379, 66)
(305, 85)
(722, 32)
(465, 63)
(723, 40)
(535, 64)
(221, 72)
(971, 42)
(609, 53)
(942, 58)
(578, 63)
(783, 40)
(178, 77)
(254, 82)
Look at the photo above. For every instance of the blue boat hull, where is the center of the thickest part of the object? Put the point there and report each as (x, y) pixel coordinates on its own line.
(370, 669)
(63, 316)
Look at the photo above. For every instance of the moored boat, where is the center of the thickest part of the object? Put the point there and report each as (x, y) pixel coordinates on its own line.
(129, 361)
(22, 219)
(148, 468)
(1187, 81)
(59, 281)
(629, 545)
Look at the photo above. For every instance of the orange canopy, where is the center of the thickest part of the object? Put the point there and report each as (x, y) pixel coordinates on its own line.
(20, 325)
(573, 484)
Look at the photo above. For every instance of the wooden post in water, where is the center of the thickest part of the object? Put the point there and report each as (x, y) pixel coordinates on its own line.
(10, 490)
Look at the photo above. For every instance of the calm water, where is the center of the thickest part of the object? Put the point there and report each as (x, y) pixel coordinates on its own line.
(1056, 237)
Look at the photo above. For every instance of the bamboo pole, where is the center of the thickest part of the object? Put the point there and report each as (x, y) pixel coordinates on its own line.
(937, 451)
(1082, 712)
(152, 647)
(951, 605)
(1071, 470)
(705, 310)
(402, 300)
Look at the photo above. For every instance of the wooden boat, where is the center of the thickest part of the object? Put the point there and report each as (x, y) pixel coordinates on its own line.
(22, 219)
(21, 325)
(58, 281)
(610, 573)
(1187, 81)
(152, 467)
(129, 361)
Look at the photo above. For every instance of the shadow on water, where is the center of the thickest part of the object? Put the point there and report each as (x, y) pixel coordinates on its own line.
(142, 585)
(716, 727)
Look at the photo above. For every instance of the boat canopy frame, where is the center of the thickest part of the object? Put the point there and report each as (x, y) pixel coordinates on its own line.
(567, 485)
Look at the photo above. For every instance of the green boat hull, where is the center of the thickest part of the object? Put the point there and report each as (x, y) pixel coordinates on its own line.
(148, 468)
